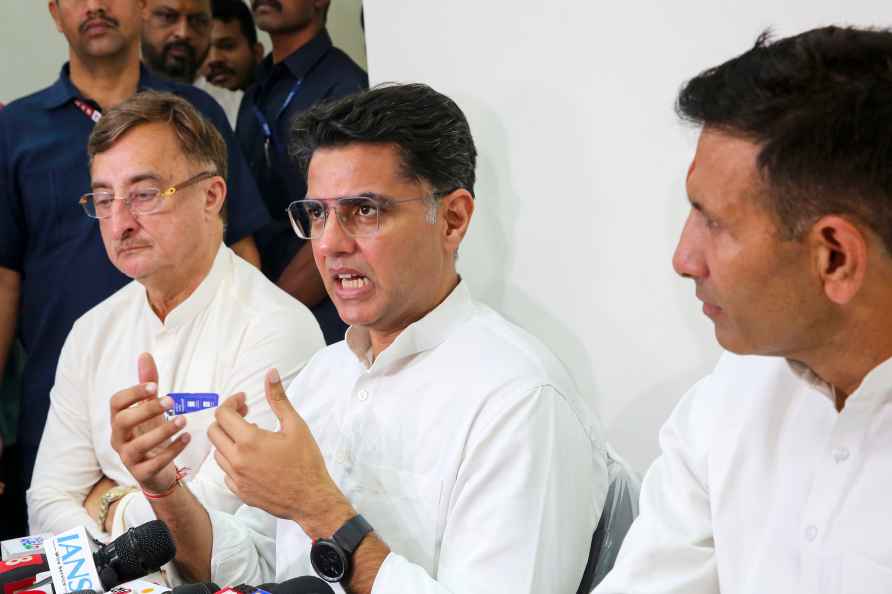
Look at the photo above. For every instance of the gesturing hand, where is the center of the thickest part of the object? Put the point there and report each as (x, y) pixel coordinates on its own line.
(281, 472)
(140, 434)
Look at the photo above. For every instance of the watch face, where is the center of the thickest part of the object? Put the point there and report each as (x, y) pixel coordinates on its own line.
(328, 560)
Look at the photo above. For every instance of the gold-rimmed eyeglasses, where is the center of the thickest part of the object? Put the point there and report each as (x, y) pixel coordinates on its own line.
(99, 205)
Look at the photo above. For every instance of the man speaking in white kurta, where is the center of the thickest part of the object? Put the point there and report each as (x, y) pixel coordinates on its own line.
(439, 448)
(776, 469)
(197, 320)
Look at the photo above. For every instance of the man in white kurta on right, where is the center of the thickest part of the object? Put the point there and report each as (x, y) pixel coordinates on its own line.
(439, 448)
(776, 470)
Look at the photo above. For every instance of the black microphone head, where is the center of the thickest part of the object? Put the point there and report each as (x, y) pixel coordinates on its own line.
(306, 584)
(135, 554)
(203, 588)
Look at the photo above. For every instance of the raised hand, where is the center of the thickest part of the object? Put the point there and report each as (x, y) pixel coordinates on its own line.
(140, 433)
(282, 472)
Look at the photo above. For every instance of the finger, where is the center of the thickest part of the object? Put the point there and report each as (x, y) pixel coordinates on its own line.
(236, 427)
(222, 442)
(140, 447)
(152, 466)
(148, 371)
(224, 464)
(149, 410)
(237, 402)
(278, 400)
(231, 484)
(128, 397)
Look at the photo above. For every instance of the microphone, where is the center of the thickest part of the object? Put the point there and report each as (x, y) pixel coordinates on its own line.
(21, 572)
(139, 551)
(300, 585)
(136, 553)
(203, 588)
(306, 584)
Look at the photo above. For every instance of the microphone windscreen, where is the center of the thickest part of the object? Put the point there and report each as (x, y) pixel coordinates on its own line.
(203, 588)
(136, 553)
(306, 584)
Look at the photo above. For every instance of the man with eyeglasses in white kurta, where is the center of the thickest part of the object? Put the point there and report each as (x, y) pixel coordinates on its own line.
(439, 448)
(197, 321)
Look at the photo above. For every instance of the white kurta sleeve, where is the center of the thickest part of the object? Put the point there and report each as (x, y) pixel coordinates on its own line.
(524, 507)
(66, 468)
(670, 548)
(284, 340)
(244, 548)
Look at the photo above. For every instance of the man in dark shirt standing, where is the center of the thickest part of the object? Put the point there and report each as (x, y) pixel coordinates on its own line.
(53, 266)
(302, 70)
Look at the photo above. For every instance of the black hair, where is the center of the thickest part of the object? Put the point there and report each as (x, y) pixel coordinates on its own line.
(227, 10)
(819, 105)
(430, 131)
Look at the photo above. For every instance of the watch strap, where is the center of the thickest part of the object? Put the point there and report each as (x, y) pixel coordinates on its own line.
(351, 533)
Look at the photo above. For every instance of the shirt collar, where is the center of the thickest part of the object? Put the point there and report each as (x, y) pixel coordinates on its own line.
(423, 335)
(199, 300)
(300, 61)
(875, 387)
(63, 90)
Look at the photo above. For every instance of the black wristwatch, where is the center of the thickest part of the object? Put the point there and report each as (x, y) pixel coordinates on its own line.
(332, 558)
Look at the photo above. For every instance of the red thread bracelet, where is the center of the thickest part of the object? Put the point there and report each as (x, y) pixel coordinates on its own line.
(181, 474)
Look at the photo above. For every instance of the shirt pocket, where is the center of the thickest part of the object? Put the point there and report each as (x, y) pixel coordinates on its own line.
(402, 507)
(861, 575)
(50, 203)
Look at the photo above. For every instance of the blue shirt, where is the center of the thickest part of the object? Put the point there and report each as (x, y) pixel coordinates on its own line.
(57, 249)
(316, 72)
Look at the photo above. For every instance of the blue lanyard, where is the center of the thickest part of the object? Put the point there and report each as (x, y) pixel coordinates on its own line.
(266, 128)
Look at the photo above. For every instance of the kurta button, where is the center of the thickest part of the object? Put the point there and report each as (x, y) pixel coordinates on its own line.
(811, 533)
(363, 395)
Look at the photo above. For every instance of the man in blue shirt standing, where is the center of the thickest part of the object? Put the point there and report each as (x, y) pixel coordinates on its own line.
(53, 267)
(303, 69)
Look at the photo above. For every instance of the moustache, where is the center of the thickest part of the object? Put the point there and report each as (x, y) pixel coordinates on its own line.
(190, 51)
(92, 20)
(274, 4)
(215, 69)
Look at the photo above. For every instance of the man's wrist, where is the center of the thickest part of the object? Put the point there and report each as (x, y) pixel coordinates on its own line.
(329, 515)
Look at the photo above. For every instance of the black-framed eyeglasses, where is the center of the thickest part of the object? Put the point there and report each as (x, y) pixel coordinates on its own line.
(359, 216)
(99, 205)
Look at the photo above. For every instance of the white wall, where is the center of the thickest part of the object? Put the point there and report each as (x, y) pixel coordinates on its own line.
(581, 171)
(32, 51)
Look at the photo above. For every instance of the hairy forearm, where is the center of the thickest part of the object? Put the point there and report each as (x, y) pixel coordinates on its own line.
(192, 531)
(10, 286)
(301, 279)
(367, 561)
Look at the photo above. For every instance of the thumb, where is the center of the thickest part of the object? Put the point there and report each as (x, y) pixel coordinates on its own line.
(278, 400)
(147, 370)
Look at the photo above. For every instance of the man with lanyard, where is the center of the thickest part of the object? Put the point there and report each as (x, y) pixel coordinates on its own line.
(303, 69)
(52, 260)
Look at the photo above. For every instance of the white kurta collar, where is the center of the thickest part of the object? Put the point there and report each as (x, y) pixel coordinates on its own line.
(199, 300)
(420, 336)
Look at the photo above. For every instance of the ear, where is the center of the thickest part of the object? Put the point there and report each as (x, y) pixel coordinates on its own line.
(258, 52)
(216, 195)
(54, 12)
(840, 251)
(457, 209)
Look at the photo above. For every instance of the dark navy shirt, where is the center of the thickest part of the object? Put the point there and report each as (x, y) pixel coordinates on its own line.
(57, 249)
(316, 72)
